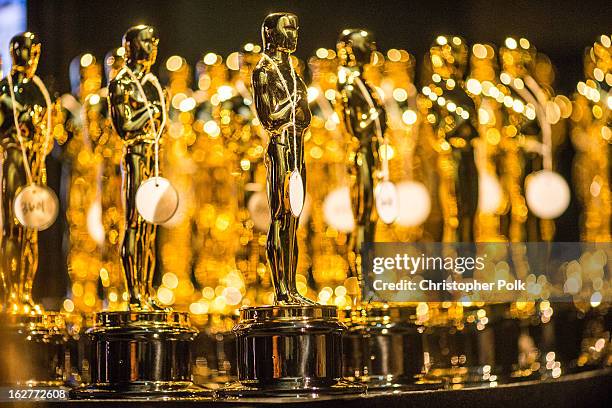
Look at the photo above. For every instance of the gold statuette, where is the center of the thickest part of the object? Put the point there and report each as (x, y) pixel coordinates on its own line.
(295, 346)
(365, 121)
(282, 108)
(155, 343)
(130, 116)
(23, 137)
(592, 138)
(35, 339)
(452, 116)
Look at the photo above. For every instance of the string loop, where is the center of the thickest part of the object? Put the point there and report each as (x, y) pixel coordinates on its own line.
(43, 89)
(379, 132)
(158, 133)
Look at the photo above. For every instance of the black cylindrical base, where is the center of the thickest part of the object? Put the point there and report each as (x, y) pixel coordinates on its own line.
(140, 354)
(33, 350)
(383, 347)
(289, 350)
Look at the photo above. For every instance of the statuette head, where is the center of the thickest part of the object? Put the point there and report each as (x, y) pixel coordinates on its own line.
(355, 47)
(449, 56)
(598, 61)
(25, 53)
(279, 32)
(518, 57)
(113, 62)
(140, 43)
(85, 75)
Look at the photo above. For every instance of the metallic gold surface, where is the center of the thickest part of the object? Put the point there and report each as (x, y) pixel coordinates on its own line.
(484, 69)
(250, 139)
(355, 48)
(33, 350)
(156, 365)
(290, 350)
(295, 346)
(19, 255)
(83, 113)
(175, 239)
(145, 351)
(451, 114)
(216, 214)
(326, 232)
(537, 129)
(285, 151)
(109, 150)
(411, 158)
(131, 120)
(383, 347)
(214, 358)
(592, 137)
(516, 129)
(36, 337)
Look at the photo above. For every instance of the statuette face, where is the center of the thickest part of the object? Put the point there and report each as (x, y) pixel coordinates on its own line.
(517, 57)
(547, 194)
(140, 44)
(449, 56)
(25, 53)
(355, 47)
(113, 62)
(280, 30)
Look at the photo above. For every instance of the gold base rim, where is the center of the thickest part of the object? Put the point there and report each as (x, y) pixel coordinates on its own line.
(259, 314)
(113, 319)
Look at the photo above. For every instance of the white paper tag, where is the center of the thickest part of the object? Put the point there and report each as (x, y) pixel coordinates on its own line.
(156, 200)
(95, 227)
(490, 193)
(36, 207)
(296, 193)
(415, 201)
(547, 194)
(337, 210)
(259, 210)
(387, 204)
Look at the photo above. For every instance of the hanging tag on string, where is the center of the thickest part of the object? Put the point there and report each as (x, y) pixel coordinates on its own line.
(337, 210)
(490, 193)
(414, 198)
(295, 184)
(385, 193)
(36, 207)
(387, 205)
(547, 194)
(157, 200)
(296, 193)
(95, 225)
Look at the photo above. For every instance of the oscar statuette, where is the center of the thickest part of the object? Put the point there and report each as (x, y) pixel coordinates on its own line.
(144, 352)
(378, 333)
(294, 347)
(32, 339)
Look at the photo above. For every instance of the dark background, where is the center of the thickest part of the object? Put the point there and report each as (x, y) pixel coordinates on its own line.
(561, 29)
